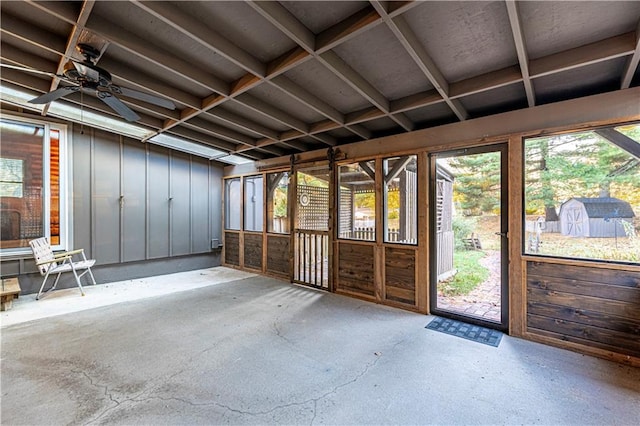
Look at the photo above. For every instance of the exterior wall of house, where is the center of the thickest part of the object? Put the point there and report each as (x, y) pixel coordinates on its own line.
(138, 209)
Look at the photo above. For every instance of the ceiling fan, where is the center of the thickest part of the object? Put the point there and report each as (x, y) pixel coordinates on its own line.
(87, 77)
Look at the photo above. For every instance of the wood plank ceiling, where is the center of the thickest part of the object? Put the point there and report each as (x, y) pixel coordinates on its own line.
(265, 79)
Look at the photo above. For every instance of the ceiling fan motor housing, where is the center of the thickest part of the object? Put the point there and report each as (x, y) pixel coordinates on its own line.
(71, 72)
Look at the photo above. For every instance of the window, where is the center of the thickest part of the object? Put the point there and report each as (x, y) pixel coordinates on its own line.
(582, 194)
(277, 202)
(233, 203)
(33, 184)
(11, 177)
(400, 200)
(253, 202)
(357, 201)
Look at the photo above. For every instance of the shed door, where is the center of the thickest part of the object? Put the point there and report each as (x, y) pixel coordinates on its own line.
(574, 222)
(469, 250)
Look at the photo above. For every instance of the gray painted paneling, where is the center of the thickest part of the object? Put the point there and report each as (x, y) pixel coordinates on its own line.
(200, 228)
(106, 197)
(81, 202)
(134, 203)
(180, 204)
(158, 196)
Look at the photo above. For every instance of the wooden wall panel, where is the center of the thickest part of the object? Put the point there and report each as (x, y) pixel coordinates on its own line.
(253, 251)
(278, 254)
(592, 306)
(400, 275)
(232, 248)
(356, 269)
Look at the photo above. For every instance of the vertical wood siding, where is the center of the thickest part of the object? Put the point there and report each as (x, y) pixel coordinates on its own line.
(253, 251)
(356, 269)
(278, 254)
(232, 248)
(591, 306)
(400, 275)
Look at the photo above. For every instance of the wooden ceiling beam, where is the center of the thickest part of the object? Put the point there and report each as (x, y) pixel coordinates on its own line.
(19, 57)
(243, 123)
(632, 63)
(63, 10)
(173, 16)
(484, 82)
(206, 139)
(418, 100)
(33, 35)
(157, 56)
(220, 131)
(311, 101)
(521, 49)
(72, 42)
(407, 38)
(347, 74)
(272, 112)
(592, 53)
(346, 29)
(284, 20)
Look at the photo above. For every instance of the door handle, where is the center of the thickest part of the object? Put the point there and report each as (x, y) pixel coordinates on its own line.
(502, 234)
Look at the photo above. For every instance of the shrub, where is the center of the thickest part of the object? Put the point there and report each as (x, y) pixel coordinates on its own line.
(463, 227)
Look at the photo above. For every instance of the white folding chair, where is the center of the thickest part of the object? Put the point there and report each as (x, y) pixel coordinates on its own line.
(49, 263)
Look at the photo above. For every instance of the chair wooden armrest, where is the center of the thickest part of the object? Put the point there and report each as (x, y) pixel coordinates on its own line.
(72, 252)
(57, 259)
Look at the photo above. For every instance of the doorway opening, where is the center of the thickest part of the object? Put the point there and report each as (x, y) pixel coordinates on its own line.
(311, 232)
(469, 260)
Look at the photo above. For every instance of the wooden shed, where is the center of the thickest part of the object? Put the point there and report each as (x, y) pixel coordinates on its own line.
(601, 217)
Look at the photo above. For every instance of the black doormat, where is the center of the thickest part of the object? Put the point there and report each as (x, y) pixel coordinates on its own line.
(467, 331)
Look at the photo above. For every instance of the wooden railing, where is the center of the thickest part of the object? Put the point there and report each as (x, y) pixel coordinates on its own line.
(311, 260)
(369, 234)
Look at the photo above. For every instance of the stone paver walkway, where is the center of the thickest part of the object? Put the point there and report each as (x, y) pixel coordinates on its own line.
(484, 301)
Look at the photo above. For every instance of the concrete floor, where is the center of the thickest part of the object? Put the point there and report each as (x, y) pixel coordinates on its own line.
(261, 351)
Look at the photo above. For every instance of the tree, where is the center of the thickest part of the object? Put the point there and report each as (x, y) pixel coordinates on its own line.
(476, 182)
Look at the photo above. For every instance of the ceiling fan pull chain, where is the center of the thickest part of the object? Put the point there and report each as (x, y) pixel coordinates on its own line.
(81, 111)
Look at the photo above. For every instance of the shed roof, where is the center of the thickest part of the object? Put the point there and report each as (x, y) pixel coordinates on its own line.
(606, 207)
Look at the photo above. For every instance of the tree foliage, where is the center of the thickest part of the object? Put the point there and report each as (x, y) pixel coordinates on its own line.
(578, 165)
(476, 184)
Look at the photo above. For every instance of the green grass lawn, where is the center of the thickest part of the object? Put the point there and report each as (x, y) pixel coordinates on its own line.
(470, 273)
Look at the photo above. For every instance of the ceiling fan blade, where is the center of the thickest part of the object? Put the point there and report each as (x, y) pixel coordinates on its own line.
(141, 96)
(117, 105)
(56, 94)
(89, 73)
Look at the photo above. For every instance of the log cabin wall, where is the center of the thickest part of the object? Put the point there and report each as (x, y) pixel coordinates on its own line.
(586, 315)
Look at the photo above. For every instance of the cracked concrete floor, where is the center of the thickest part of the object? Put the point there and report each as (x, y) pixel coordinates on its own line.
(261, 351)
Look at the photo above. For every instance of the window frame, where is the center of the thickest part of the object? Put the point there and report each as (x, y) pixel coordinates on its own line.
(227, 204)
(257, 204)
(65, 177)
(376, 200)
(269, 203)
(385, 191)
